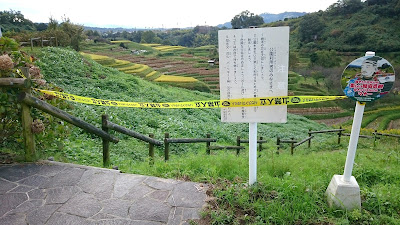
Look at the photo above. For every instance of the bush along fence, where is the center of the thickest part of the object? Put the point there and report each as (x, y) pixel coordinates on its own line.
(27, 101)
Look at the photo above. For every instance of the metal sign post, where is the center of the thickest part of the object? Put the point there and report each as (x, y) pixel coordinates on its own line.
(253, 63)
(252, 153)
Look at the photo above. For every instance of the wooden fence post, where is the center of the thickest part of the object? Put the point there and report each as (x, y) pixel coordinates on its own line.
(151, 150)
(278, 144)
(106, 143)
(29, 139)
(260, 144)
(166, 147)
(375, 134)
(339, 135)
(31, 44)
(309, 135)
(237, 144)
(292, 146)
(208, 145)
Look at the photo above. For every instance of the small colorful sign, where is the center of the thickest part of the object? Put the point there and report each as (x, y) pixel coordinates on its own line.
(368, 78)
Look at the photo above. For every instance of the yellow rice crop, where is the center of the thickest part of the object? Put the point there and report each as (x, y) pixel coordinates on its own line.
(165, 48)
(151, 45)
(177, 79)
(95, 57)
(119, 63)
(139, 69)
(151, 73)
(132, 67)
(121, 41)
(143, 68)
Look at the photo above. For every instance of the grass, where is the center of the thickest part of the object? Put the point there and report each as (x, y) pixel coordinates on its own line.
(121, 41)
(290, 189)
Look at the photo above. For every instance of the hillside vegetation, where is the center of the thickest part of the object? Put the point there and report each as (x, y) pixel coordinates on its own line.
(81, 76)
(348, 26)
(290, 188)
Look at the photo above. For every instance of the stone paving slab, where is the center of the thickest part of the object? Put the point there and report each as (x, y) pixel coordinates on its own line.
(60, 193)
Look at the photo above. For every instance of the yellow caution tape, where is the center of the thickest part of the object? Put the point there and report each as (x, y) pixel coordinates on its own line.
(244, 102)
(20, 73)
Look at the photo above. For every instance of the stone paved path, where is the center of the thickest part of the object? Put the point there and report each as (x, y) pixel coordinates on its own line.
(57, 193)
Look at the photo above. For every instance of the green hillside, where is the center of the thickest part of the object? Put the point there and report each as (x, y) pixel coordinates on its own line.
(74, 74)
(290, 188)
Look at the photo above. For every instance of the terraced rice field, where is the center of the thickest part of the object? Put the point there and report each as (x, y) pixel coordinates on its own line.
(149, 71)
(179, 68)
(183, 62)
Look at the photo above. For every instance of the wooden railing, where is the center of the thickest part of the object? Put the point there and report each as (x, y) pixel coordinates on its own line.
(339, 133)
(41, 40)
(106, 125)
(27, 101)
(293, 143)
(168, 140)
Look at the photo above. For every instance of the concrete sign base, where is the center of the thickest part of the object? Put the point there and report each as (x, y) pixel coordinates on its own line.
(345, 195)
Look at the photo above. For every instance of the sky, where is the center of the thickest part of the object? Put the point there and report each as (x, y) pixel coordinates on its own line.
(154, 13)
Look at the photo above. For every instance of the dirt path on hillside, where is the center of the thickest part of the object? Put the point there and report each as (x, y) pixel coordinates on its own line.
(336, 121)
(394, 124)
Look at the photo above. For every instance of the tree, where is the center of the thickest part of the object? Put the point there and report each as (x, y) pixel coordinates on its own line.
(345, 7)
(246, 19)
(15, 21)
(293, 60)
(53, 24)
(377, 2)
(40, 26)
(137, 36)
(75, 33)
(148, 37)
(187, 39)
(311, 28)
(325, 58)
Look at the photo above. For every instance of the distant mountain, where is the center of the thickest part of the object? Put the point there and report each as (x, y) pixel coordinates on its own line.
(113, 30)
(269, 17)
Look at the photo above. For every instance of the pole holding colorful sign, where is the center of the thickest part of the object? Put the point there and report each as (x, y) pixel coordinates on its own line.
(366, 79)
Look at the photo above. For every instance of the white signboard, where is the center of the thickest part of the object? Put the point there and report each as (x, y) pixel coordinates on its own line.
(254, 63)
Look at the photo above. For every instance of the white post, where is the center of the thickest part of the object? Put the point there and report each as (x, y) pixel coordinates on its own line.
(343, 190)
(355, 133)
(252, 153)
